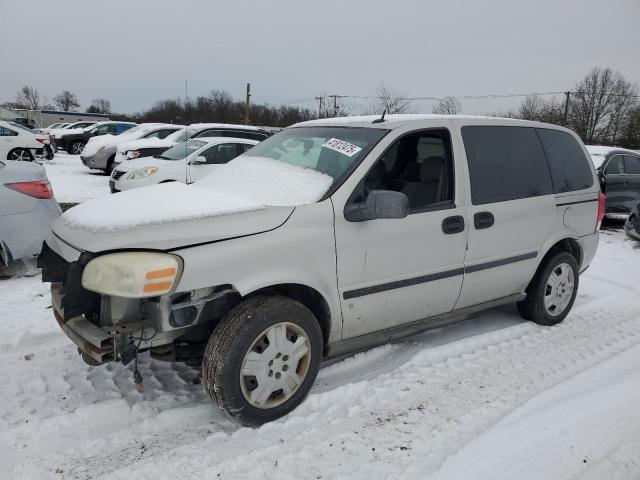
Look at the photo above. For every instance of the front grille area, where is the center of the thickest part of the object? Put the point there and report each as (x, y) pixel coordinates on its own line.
(117, 174)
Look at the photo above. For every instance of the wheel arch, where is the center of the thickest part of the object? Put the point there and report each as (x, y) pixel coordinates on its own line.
(566, 244)
(309, 297)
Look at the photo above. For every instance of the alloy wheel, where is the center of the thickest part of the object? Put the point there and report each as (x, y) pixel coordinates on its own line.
(275, 365)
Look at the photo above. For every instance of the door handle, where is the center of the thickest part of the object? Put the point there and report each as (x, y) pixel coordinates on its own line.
(483, 220)
(454, 224)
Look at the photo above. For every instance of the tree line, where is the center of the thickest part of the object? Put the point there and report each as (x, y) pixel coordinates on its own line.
(602, 108)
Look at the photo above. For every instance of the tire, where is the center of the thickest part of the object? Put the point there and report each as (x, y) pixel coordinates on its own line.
(241, 337)
(20, 155)
(75, 147)
(547, 304)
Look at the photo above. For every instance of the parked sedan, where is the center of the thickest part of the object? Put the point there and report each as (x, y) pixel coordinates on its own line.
(619, 173)
(186, 162)
(27, 209)
(74, 141)
(21, 144)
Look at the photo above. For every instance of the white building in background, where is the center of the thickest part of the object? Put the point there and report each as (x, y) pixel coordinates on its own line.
(44, 118)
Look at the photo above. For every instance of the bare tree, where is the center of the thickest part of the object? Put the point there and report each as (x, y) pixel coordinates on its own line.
(66, 101)
(28, 98)
(447, 106)
(391, 99)
(600, 105)
(535, 108)
(99, 105)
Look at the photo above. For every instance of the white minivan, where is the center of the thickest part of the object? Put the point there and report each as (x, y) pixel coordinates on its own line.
(185, 162)
(327, 238)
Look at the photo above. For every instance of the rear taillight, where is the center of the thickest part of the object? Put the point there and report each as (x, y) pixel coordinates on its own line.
(40, 189)
(42, 140)
(601, 202)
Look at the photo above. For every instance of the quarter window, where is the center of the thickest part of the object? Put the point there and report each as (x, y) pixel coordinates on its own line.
(5, 132)
(631, 165)
(505, 163)
(569, 167)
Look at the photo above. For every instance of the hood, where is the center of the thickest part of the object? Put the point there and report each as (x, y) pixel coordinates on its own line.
(162, 217)
(61, 132)
(145, 143)
(147, 162)
(246, 196)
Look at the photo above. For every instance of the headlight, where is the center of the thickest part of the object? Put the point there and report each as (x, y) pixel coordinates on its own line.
(142, 172)
(133, 274)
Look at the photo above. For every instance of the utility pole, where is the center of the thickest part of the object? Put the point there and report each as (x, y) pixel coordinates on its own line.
(246, 105)
(566, 107)
(320, 102)
(335, 104)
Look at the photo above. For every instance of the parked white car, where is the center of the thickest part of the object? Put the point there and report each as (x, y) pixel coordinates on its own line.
(328, 238)
(147, 147)
(22, 144)
(186, 162)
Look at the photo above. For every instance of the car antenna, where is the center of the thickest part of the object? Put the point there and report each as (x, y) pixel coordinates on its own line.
(381, 119)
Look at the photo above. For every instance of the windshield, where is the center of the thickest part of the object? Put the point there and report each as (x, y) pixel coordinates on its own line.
(182, 150)
(182, 135)
(329, 150)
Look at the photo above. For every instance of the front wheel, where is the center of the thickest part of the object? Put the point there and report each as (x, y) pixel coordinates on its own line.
(552, 291)
(263, 358)
(76, 147)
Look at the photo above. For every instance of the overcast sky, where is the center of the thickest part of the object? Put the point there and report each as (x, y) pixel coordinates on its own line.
(135, 52)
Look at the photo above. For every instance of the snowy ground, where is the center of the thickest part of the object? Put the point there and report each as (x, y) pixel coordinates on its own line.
(72, 182)
(493, 398)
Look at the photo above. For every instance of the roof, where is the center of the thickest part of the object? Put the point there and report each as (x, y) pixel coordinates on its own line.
(202, 126)
(396, 121)
(599, 153)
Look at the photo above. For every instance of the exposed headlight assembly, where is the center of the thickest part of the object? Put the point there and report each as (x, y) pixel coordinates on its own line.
(142, 172)
(133, 274)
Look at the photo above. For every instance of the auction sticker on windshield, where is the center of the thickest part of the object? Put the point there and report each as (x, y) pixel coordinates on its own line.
(341, 146)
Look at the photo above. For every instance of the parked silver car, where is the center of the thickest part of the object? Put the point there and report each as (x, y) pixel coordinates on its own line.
(27, 209)
(327, 238)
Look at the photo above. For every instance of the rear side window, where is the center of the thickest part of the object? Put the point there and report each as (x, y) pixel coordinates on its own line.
(5, 132)
(615, 166)
(505, 163)
(569, 167)
(631, 165)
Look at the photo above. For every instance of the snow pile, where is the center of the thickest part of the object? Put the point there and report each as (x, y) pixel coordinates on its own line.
(155, 205)
(72, 182)
(268, 182)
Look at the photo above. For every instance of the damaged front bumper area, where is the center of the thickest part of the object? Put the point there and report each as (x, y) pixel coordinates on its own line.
(107, 329)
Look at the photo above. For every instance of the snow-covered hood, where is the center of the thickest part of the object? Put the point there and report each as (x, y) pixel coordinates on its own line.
(248, 195)
(60, 132)
(145, 143)
(146, 162)
(96, 143)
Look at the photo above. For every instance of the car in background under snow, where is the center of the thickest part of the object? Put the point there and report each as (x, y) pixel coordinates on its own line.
(27, 209)
(619, 174)
(632, 225)
(186, 162)
(100, 153)
(74, 141)
(150, 147)
(22, 144)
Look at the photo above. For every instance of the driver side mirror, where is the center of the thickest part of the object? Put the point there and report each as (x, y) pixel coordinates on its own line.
(199, 160)
(380, 204)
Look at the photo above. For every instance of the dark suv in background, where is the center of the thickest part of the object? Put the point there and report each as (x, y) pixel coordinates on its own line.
(619, 177)
(74, 142)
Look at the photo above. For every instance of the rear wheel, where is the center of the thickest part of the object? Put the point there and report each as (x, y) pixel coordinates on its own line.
(552, 291)
(263, 358)
(76, 147)
(20, 155)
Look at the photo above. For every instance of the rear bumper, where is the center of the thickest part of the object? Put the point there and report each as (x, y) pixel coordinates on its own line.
(589, 247)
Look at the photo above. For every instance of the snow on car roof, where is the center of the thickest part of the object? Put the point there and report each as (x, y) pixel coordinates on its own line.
(201, 126)
(599, 153)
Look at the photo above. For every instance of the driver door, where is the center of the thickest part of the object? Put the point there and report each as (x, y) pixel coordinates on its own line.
(393, 272)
